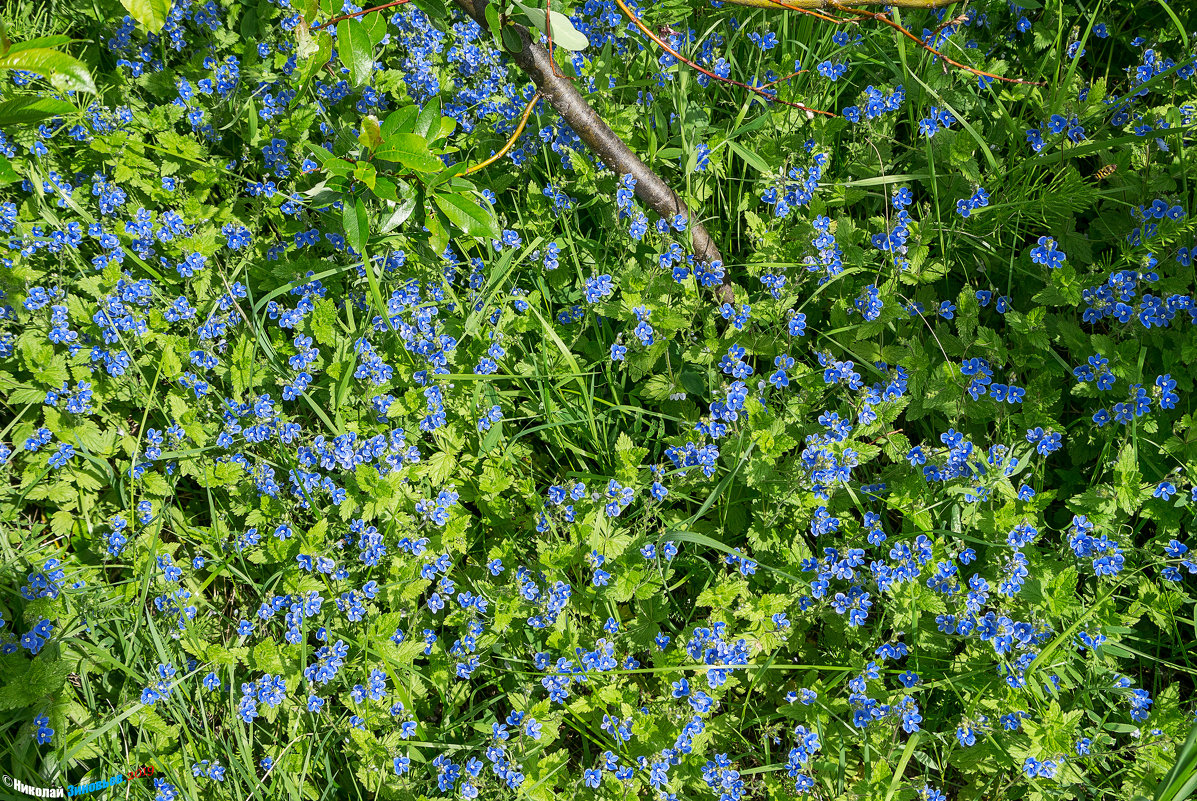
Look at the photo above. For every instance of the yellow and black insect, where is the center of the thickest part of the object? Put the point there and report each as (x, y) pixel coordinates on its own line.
(1105, 172)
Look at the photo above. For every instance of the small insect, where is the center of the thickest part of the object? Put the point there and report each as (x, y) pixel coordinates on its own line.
(1105, 172)
(668, 30)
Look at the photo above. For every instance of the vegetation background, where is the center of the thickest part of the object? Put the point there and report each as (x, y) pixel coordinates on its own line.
(343, 461)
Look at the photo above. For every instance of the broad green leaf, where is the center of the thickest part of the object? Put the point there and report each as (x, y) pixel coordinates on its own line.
(371, 133)
(334, 164)
(468, 215)
(429, 121)
(401, 209)
(40, 42)
(353, 43)
(365, 172)
(401, 120)
(385, 188)
(376, 27)
(7, 174)
(150, 13)
(492, 21)
(438, 231)
(511, 39)
(410, 150)
(357, 224)
(315, 52)
(564, 33)
(24, 110)
(64, 72)
(436, 9)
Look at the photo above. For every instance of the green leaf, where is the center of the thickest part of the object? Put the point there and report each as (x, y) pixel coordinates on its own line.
(1178, 783)
(438, 233)
(315, 50)
(371, 135)
(564, 33)
(401, 209)
(492, 21)
(328, 161)
(385, 188)
(150, 13)
(433, 8)
(410, 150)
(357, 225)
(24, 110)
(749, 156)
(65, 73)
(41, 41)
(266, 657)
(357, 53)
(401, 120)
(241, 365)
(511, 39)
(468, 215)
(429, 121)
(7, 174)
(323, 320)
(39, 679)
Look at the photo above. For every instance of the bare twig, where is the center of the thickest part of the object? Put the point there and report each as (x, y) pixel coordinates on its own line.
(548, 30)
(765, 93)
(363, 12)
(807, 11)
(900, 29)
(519, 129)
(614, 153)
(799, 5)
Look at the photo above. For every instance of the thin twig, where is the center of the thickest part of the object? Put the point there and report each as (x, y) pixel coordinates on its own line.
(363, 12)
(783, 78)
(548, 29)
(755, 90)
(519, 129)
(959, 18)
(902, 30)
(807, 11)
(799, 5)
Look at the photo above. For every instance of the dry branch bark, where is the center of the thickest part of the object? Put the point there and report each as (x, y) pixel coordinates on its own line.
(567, 101)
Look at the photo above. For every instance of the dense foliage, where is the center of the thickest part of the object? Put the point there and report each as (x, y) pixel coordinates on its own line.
(332, 472)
